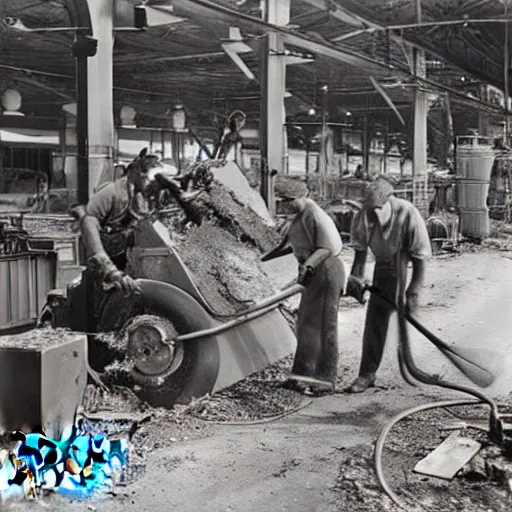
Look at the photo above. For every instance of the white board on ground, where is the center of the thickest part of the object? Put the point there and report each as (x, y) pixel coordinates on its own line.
(233, 178)
(449, 457)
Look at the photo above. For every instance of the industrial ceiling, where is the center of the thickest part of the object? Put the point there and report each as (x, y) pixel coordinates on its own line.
(353, 44)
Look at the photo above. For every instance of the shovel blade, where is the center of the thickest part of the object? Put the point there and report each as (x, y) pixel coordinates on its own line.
(481, 367)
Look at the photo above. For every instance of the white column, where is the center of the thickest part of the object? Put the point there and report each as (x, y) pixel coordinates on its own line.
(273, 116)
(100, 95)
(419, 169)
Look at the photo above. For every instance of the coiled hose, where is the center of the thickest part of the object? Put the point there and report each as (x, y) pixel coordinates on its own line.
(410, 371)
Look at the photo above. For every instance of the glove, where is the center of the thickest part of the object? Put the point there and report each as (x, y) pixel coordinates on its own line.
(356, 288)
(167, 182)
(123, 282)
(411, 302)
(305, 275)
(112, 276)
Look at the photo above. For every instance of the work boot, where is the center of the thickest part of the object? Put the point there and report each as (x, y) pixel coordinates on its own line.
(362, 383)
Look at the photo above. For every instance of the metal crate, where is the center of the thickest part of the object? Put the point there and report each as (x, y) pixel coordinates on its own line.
(25, 280)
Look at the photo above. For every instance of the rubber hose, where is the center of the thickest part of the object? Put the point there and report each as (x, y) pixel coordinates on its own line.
(402, 365)
(387, 428)
(260, 421)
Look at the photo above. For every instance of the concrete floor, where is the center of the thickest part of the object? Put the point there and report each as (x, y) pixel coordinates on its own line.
(292, 464)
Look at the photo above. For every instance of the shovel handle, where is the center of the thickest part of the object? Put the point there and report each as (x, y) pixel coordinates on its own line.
(417, 325)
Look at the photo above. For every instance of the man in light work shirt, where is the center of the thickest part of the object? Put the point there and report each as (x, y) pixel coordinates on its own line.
(316, 244)
(391, 228)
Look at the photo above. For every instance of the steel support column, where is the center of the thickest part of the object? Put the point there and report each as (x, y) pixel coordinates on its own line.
(273, 88)
(419, 164)
(100, 95)
(80, 17)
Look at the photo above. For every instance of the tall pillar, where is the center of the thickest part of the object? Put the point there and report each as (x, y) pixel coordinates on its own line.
(273, 89)
(366, 142)
(419, 159)
(100, 93)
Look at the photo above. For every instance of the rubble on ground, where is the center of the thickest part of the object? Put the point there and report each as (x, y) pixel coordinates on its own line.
(414, 438)
(258, 397)
(119, 411)
(357, 487)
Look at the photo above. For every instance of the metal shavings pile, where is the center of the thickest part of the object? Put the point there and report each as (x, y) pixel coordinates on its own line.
(255, 398)
(38, 339)
(119, 399)
(119, 412)
(227, 272)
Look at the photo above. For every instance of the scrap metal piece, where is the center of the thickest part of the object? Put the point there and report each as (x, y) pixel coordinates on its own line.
(449, 457)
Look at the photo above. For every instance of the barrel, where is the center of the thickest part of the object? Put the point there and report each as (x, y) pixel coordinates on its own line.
(472, 194)
(475, 159)
(474, 223)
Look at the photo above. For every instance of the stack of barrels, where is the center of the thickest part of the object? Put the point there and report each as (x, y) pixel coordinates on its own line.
(474, 160)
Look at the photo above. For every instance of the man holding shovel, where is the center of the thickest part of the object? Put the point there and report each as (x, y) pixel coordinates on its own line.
(392, 229)
(317, 245)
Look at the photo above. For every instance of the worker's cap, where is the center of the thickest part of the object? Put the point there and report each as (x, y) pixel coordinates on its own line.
(146, 163)
(288, 189)
(378, 192)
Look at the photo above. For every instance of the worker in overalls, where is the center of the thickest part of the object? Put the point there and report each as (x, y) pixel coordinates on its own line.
(108, 220)
(316, 243)
(394, 230)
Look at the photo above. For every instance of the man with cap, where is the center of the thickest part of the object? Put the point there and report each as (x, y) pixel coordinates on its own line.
(395, 232)
(316, 243)
(107, 221)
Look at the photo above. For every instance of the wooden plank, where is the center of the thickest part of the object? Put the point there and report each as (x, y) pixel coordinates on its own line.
(449, 457)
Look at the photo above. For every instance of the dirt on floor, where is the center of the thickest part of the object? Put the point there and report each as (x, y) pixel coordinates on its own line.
(257, 447)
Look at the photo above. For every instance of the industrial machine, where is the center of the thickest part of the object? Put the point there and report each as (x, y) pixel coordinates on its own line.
(173, 342)
(27, 274)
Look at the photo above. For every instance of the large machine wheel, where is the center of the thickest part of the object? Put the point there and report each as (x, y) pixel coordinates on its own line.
(166, 371)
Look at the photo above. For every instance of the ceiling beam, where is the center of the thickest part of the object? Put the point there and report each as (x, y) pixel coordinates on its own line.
(350, 12)
(204, 12)
(119, 61)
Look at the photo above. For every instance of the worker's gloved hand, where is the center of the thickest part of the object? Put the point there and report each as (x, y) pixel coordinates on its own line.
(123, 282)
(411, 302)
(110, 275)
(305, 274)
(165, 181)
(356, 287)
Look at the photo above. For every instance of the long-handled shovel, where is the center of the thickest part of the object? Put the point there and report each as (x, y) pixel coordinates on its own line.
(475, 364)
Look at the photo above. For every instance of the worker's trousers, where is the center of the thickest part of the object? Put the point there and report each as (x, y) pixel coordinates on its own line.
(377, 318)
(317, 323)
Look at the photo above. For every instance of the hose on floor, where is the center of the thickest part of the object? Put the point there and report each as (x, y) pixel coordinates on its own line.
(381, 440)
(409, 369)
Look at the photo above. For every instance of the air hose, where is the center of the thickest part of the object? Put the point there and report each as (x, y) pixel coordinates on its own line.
(381, 440)
(410, 371)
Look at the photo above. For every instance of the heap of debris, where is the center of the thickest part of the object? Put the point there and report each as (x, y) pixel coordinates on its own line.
(221, 240)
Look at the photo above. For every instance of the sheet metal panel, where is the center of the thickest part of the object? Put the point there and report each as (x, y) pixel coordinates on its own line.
(25, 280)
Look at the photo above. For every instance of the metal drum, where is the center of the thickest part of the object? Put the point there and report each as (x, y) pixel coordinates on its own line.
(474, 223)
(474, 159)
